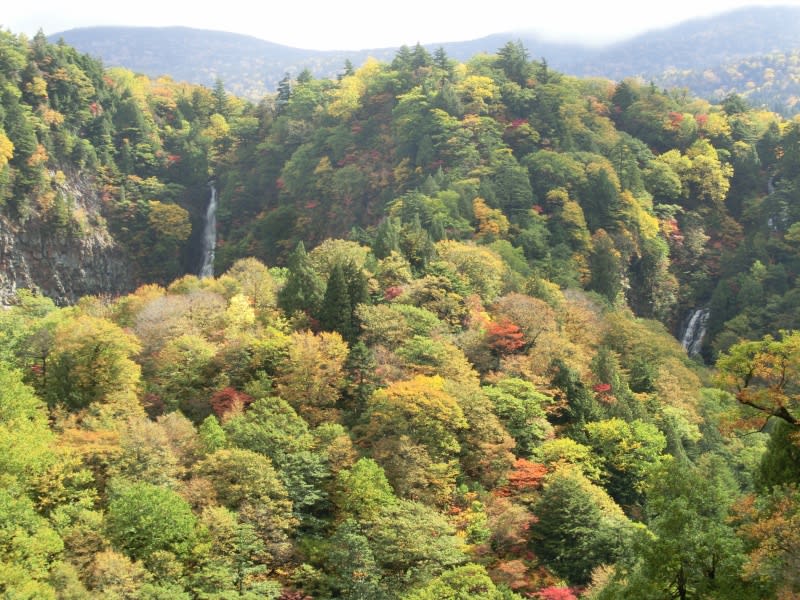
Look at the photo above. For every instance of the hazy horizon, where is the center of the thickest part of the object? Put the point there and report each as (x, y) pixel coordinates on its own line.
(356, 24)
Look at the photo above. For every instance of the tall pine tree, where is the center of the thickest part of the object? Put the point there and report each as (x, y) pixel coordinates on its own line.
(303, 289)
(336, 311)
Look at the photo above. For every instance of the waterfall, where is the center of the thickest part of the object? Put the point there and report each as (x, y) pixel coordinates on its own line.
(774, 221)
(692, 338)
(210, 234)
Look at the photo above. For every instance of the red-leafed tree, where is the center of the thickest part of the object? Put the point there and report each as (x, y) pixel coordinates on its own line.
(229, 399)
(504, 337)
(526, 477)
(556, 593)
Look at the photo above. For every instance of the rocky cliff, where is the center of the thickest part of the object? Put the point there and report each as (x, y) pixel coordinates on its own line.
(63, 262)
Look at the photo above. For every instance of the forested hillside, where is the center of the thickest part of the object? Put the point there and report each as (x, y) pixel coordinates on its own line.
(250, 67)
(771, 80)
(438, 359)
(747, 51)
(103, 173)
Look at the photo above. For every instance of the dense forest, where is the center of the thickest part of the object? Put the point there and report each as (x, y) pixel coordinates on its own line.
(438, 360)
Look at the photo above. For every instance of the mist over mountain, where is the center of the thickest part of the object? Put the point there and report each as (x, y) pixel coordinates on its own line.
(704, 55)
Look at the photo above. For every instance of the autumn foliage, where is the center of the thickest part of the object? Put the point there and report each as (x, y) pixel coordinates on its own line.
(229, 400)
(504, 337)
(438, 358)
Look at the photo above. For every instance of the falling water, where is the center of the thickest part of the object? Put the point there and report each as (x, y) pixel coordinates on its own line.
(773, 221)
(692, 338)
(210, 234)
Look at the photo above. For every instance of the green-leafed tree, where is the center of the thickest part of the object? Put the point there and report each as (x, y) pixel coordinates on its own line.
(629, 452)
(354, 572)
(26, 442)
(363, 489)
(273, 429)
(690, 550)
(143, 518)
(578, 526)
(520, 408)
(462, 583)
(605, 265)
(91, 360)
(411, 544)
(303, 289)
(247, 483)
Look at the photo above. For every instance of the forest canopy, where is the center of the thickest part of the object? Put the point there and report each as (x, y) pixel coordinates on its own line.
(439, 357)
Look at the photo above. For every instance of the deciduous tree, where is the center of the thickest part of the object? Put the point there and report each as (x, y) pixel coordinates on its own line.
(313, 375)
(92, 359)
(763, 374)
(143, 518)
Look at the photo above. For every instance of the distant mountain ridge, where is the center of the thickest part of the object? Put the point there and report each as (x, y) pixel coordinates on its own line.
(251, 67)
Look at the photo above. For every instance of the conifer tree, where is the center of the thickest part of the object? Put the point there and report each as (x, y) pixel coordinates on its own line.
(336, 312)
(357, 290)
(220, 98)
(284, 92)
(303, 289)
(605, 265)
(387, 238)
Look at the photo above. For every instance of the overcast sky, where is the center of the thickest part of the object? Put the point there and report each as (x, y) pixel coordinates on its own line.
(355, 24)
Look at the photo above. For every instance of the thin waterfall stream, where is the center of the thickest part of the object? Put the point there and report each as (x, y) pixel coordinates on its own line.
(692, 338)
(210, 234)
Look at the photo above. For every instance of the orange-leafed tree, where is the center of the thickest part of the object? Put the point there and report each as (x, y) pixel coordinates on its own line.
(229, 400)
(525, 477)
(505, 337)
(771, 528)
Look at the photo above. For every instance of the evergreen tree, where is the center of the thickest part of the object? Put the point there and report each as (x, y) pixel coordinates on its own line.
(605, 266)
(600, 201)
(354, 572)
(348, 69)
(416, 244)
(442, 61)
(284, 93)
(624, 95)
(361, 380)
(302, 291)
(220, 98)
(420, 57)
(513, 59)
(346, 289)
(336, 311)
(582, 407)
(780, 464)
(305, 77)
(357, 290)
(387, 238)
(578, 526)
(692, 551)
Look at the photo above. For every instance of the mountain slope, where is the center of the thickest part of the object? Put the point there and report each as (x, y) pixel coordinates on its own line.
(696, 44)
(466, 394)
(251, 67)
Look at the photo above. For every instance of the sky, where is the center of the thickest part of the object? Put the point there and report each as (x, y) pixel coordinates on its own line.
(357, 24)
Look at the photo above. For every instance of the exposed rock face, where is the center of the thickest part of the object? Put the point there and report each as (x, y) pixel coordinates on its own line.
(58, 262)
